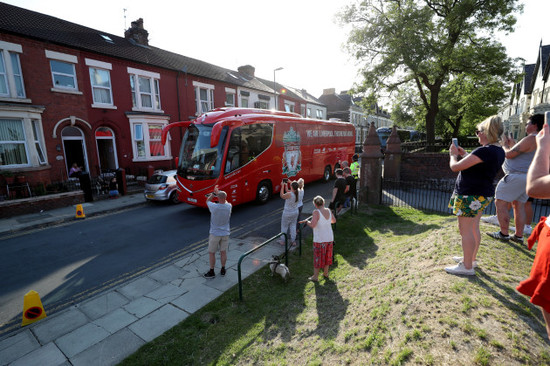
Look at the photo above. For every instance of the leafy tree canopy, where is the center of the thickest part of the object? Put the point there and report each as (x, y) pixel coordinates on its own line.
(433, 47)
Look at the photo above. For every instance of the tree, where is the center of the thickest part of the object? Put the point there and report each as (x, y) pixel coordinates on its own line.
(465, 100)
(427, 43)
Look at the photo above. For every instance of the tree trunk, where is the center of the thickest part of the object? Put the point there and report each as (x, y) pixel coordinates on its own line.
(430, 117)
(456, 126)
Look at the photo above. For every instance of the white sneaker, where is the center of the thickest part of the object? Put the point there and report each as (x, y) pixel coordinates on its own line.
(461, 259)
(527, 230)
(459, 269)
(490, 219)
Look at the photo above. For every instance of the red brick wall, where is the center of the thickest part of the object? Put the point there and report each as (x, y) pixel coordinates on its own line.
(424, 166)
(21, 206)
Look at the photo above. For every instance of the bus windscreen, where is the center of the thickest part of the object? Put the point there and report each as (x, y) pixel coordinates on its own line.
(197, 160)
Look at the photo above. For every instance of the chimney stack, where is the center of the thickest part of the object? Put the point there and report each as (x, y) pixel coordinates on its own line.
(137, 33)
(329, 91)
(248, 70)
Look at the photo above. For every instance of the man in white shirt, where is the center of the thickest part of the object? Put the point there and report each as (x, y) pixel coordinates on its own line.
(218, 239)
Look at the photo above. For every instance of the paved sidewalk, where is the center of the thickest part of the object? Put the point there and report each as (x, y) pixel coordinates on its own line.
(28, 222)
(107, 328)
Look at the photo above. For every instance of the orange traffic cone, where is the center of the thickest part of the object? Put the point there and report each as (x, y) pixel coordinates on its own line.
(79, 212)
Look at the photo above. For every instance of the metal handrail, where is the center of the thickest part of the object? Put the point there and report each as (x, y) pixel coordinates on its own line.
(255, 249)
(302, 226)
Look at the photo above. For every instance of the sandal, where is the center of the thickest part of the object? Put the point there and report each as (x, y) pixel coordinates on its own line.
(313, 279)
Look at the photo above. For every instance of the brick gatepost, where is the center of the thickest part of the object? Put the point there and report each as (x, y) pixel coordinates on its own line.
(392, 158)
(370, 183)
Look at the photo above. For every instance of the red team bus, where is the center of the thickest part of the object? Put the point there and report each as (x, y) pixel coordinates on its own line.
(247, 152)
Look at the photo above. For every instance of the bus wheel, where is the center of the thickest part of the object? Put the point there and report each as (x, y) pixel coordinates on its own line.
(327, 173)
(264, 192)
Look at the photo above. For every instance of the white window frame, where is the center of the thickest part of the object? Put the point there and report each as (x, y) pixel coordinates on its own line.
(36, 128)
(144, 121)
(104, 66)
(154, 81)
(319, 113)
(233, 93)
(7, 50)
(208, 103)
(69, 59)
(28, 117)
(289, 106)
(309, 113)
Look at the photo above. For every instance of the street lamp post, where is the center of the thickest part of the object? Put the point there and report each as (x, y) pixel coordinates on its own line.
(275, 87)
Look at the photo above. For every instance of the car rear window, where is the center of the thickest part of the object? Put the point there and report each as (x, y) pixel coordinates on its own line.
(157, 179)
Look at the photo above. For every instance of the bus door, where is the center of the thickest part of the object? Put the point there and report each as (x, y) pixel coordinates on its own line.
(234, 161)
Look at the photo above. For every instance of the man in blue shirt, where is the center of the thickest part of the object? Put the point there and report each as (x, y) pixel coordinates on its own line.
(219, 230)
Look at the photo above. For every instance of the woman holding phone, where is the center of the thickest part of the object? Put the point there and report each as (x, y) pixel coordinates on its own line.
(289, 192)
(474, 189)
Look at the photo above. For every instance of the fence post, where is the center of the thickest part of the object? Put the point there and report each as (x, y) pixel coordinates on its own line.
(370, 181)
(392, 158)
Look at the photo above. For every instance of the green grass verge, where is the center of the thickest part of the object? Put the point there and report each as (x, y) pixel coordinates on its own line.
(388, 302)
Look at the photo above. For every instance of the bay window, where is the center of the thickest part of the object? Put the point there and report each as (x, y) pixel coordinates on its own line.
(146, 138)
(13, 147)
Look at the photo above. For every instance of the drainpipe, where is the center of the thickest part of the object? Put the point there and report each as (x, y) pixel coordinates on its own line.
(178, 95)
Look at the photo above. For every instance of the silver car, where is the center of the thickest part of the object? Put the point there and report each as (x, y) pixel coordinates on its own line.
(162, 186)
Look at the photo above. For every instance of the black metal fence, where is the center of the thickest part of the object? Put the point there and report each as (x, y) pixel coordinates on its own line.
(434, 195)
(439, 145)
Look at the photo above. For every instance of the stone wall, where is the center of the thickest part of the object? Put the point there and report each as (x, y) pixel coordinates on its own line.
(22, 206)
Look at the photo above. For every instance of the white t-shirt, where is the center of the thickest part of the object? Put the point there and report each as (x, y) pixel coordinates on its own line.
(219, 218)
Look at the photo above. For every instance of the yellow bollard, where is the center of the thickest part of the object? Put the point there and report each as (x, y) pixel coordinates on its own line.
(79, 212)
(32, 308)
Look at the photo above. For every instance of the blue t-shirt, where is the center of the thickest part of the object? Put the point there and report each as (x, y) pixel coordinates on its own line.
(478, 180)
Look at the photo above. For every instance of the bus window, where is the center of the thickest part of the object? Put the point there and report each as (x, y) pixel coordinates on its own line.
(233, 160)
(197, 159)
(259, 137)
(246, 143)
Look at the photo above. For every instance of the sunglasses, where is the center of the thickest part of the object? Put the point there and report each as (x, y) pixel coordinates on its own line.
(478, 132)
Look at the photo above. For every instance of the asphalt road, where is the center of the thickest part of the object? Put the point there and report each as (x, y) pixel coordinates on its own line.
(68, 263)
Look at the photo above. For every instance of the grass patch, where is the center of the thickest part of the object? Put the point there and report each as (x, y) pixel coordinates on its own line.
(388, 302)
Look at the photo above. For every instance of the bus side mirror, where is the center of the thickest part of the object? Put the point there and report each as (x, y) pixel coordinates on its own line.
(217, 130)
(168, 127)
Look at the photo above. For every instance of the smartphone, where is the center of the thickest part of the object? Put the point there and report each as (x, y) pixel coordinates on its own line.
(547, 117)
(285, 180)
(455, 141)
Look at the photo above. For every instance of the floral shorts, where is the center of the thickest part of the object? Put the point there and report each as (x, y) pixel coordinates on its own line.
(468, 206)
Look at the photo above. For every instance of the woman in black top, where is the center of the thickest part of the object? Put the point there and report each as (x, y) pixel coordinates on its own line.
(474, 189)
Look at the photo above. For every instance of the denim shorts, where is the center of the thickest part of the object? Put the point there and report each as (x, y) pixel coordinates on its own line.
(468, 206)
